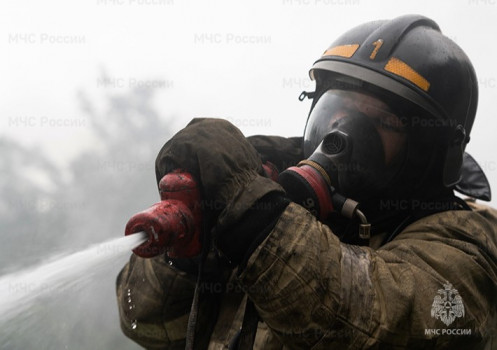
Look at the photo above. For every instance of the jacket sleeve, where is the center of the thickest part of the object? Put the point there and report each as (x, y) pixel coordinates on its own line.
(154, 301)
(315, 292)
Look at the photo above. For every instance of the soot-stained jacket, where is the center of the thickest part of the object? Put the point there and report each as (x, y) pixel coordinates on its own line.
(434, 286)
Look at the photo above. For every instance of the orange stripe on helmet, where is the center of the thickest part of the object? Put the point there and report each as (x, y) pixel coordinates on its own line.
(342, 50)
(402, 69)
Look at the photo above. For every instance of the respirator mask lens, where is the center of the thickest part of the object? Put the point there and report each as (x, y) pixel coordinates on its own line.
(363, 140)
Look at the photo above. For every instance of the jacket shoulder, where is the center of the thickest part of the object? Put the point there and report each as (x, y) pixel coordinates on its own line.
(484, 211)
(480, 218)
(466, 230)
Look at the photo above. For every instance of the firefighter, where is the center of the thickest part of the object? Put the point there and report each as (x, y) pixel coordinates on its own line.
(364, 244)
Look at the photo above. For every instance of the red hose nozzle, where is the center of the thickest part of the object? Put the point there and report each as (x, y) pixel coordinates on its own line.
(173, 225)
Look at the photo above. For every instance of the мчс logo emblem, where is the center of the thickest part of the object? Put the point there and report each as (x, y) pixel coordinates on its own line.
(447, 305)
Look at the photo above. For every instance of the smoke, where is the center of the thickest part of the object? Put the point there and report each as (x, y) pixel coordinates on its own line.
(48, 211)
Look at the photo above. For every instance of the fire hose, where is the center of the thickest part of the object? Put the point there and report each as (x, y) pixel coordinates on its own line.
(173, 225)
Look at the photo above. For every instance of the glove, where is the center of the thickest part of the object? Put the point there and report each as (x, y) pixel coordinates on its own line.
(230, 173)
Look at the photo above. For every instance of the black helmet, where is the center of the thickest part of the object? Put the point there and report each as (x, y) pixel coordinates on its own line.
(409, 60)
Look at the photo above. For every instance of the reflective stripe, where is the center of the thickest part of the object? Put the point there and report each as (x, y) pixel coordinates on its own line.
(402, 69)
(342, 50)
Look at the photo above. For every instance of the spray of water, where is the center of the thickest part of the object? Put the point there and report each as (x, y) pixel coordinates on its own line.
(20, 290)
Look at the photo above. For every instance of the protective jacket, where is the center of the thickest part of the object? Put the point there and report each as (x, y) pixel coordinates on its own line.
(434, 286)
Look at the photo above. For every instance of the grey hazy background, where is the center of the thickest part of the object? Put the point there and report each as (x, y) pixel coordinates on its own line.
(90, 90)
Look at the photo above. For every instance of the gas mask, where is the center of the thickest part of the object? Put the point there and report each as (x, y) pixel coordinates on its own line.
(355, 146)
(358, 140)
